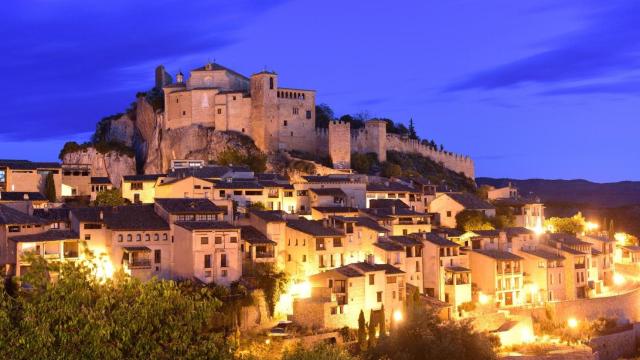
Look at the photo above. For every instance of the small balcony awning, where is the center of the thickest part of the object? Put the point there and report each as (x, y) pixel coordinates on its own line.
(457, 269)
(131, 249)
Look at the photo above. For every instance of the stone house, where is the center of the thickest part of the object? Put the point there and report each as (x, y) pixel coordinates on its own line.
(499, 275)
(338, 295)
(28, 176)
(448, 205)
(141, 189)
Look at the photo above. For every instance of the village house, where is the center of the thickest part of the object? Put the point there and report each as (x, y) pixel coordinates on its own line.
(27, 176)
(412, 197)
(353, 186)
(271, 224)
(339, 295)
(98, 185)
(448, 205)
(141, 189)
(498, 275)
(544, 269)
(399, 220)
(209, 251)
(603, 246)
(14, 222)
(34, 199)
(361, 235)
(580, 277)
(256, 248)
(325, 212)
(446, 273)
(311, 247)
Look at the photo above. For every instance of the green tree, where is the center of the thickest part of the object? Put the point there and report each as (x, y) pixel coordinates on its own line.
(50, 188)
(318, 352)
(382, 319)
(361, 163)
(362, 332)
(81, 317)
(256, 161)
(504, 217)
(422, 335)
(372, 330)
(111, 197)
(390, 169)
(412, 130)
(469, 220)
(572, 225)
(324, 115)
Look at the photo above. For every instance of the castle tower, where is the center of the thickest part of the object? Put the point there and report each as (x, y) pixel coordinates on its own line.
(340, 144)
(264, 110)
(162, 77)
(377, 138)
(180, 78)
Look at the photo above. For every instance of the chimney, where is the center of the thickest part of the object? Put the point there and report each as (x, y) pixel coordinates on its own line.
(371, 260)
(101, 215)
(25, 196)
(393, 209)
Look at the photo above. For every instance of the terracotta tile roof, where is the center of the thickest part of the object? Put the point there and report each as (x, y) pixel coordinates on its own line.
(146, 177)
(269, 215)
(438, 240)
(11, 216)
(49, 235)
(312, 227)
(543, 254)
(100, 180)
(470, 202)
(21, 196)
(254, 237)
(329, 192)
(387, 203)
(189, 206)
(498, 254)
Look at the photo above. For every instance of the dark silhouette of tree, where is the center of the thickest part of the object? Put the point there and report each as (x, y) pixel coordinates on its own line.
(362, 332)
(412, 130)
(50, 188)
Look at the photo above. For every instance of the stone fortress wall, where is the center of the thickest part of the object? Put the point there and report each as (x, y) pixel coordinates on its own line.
(373, 138)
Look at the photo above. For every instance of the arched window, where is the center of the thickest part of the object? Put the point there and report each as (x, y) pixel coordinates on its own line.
(147, 237)
(120, 238)
(165, 237)
(138, 237)
(271, 83)
(156, 237)
(129, 238)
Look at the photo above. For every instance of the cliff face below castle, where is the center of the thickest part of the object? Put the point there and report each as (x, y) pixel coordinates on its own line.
(111, 164)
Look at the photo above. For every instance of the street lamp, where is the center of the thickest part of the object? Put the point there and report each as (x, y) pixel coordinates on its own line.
(572, 323)
(483, 299)
(397, 316)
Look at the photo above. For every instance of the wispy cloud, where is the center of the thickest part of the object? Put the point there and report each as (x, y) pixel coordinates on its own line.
(72, 63)
(607, 45)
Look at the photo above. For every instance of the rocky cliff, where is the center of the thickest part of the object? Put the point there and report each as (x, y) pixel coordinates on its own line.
(111, 164)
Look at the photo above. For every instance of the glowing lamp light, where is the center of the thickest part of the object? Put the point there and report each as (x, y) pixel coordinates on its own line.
(621, 237)
(483, 299)
(301, 289)
(268, 341)
(397, 315)
(591, 226)
(527, 336)
(618, 279)
(572, 323)
(534, 288)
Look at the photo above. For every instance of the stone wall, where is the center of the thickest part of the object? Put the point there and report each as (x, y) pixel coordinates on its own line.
(615, 346)
(340, 144)
(623, 306)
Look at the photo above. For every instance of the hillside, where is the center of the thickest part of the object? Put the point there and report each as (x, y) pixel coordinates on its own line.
(600, 202)
(574, 191)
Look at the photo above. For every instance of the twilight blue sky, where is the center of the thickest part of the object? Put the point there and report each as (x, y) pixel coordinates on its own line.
(538, 88)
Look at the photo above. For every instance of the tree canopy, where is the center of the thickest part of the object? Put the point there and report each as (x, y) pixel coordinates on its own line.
(469, 220)
(111, 197)
(422, 335)
(81, 317)
(570, 225)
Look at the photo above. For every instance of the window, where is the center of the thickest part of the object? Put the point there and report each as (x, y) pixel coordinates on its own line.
(223, 260)
(308, 114)
(372, 279)
(222, 193)
(379, 296)
(136, 186)
(234, 98)
(304, 258)
(129, 237)
(156, 237)
(219, 111)
(92, 226)
(288, 257)
(138, 237)
(204, 240)
(295, 111)
(87, 236)
(207, 261)
(218, 239)
(223, 273)
(233, 239)
(120, 238)
(285, 123)
(448, 213)
(157, 256)
(147, 237)
(271, 83)
(184, 113)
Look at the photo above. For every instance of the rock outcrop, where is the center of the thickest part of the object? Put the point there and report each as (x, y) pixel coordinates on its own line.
(112, 164)
(121, 129)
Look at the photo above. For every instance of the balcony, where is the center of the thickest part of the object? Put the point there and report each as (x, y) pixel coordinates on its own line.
(138, 264)
(264, 254)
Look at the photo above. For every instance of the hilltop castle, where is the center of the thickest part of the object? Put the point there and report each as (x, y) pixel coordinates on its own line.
(278, 118)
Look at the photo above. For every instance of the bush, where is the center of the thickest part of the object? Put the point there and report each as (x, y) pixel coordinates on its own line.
(111, 197)
(390, 169)
(101, 147)
(318, 352)
(256, 161)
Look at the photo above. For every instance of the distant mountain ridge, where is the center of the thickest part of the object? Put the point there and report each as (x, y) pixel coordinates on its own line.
(578, 191)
